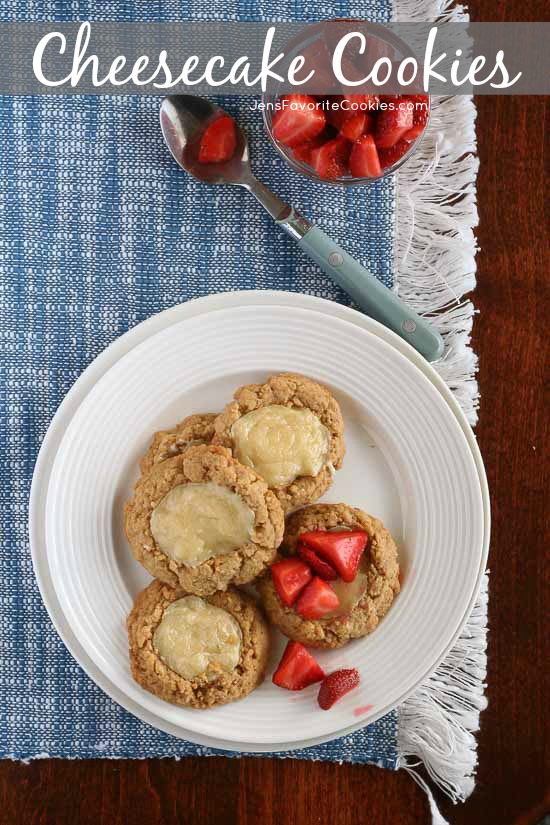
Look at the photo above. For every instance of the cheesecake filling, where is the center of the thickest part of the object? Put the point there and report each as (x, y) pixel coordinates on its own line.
(281, 443)
(196, 522)
(195, 638)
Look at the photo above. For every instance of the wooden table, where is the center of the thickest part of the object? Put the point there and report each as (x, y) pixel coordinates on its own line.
(511, 334)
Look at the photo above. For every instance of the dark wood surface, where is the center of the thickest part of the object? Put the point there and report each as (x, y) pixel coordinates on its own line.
(511, 334)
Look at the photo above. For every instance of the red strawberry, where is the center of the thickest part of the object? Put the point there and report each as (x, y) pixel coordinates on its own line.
(392, 124)
(218, 141)
(389, 98)
(390, 156)
(363, 161)
(420, 115)
(356, 126)
(336, 685)
(297, 668)
(409, 137)
(334, 30)
(303, 150)
(299, 120)
(317, 58)
(330, 159)
(290, 576)
(322, 569)
(342, 549)
(377, 48)
(316, 600)
(422, 99)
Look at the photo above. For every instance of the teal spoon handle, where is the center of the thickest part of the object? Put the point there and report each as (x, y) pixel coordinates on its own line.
(370, 295)
(366, 290)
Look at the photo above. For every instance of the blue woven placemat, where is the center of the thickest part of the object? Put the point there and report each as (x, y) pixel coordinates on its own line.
(97, 234)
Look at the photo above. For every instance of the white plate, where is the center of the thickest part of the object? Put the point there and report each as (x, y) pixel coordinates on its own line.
(87, 380)
(422, 480)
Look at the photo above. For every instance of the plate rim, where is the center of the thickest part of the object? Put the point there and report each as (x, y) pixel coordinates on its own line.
(80, 390)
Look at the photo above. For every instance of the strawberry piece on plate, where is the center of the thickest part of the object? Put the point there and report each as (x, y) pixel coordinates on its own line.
(218, 141)
(356, 126)
(336, 685)
(316, 600)
(364, 161)
(392, 124)
(342, 549)
(390, 156)
(330, 159)
(290, 576)
(321, 568)
(297, 668)
(300, 119)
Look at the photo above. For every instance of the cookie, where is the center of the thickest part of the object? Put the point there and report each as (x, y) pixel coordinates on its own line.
(203, 521)
(290, 430)
(193, 430)
(379, 567)
(219, 645)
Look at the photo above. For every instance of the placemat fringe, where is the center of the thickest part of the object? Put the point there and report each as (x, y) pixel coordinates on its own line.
(436, 217)
(436, 725)
(435, 269)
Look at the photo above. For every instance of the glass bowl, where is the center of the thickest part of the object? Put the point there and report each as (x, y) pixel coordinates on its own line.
(269, 99)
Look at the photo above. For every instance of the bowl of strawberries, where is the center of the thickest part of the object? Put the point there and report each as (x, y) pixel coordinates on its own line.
(343, 137)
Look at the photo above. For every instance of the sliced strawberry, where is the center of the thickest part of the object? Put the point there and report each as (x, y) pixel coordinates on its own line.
(218, 141)
(334, 30)
(377, 48)
(392, 124)
(297, 668)
(317, 58)
(363, 161)
(422, 99)
(390, 156)
(316, 600)
(338, 113)
(420, 111)
(330, 159)
(290, 576)
(321, 568)
(409, 137)
(342, 549)
(354, 127)
(300, 119)
(303, 150)
(336, 685)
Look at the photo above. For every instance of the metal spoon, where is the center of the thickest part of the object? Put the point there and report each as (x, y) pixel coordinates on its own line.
(182, 120)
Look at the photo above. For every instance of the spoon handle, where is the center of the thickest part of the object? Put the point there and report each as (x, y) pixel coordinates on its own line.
(366, 290)
(370, 295)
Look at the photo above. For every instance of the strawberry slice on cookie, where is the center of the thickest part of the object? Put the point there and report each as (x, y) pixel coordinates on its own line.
(342, 549)
(290, 576)
(317, 600)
